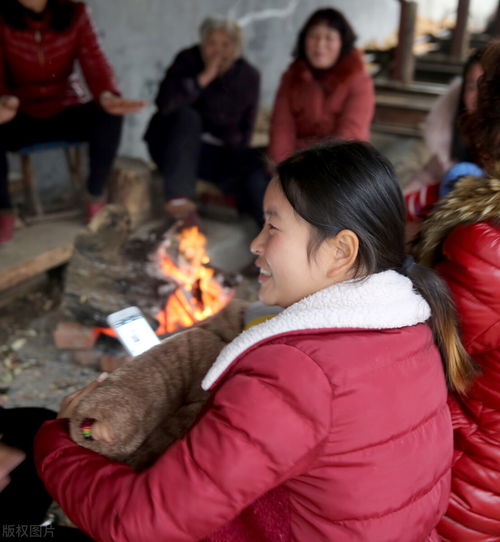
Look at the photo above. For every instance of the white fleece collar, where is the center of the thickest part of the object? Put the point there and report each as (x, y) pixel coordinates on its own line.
(384, 300)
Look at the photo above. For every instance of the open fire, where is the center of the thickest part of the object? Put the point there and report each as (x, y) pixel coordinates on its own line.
(197, 293)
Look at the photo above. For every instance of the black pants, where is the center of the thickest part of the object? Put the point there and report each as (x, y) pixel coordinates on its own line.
(87, 122)
(24, 502)
(175, 144)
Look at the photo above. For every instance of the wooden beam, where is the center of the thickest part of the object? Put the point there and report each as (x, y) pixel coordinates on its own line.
(36, 249)
(460, 39)
(496, 26)
(30, 268)
(404, 61)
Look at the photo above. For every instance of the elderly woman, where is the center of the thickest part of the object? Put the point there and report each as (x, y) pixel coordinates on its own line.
(41, 98)
(325, 92)
(207, 103)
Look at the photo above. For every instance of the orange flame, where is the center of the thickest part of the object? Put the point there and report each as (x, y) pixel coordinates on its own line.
(198, 295)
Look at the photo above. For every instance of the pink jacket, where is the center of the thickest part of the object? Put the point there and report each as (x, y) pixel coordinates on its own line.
(38, 64)
(307, 109)
(329, 422)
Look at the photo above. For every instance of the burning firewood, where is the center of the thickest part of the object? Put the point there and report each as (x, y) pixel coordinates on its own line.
(165, 273)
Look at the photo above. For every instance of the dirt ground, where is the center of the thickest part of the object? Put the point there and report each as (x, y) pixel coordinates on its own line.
(32, 371)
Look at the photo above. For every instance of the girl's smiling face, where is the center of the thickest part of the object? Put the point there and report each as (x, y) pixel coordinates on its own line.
(287, 274)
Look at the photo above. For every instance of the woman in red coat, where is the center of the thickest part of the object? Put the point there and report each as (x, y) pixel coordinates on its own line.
(41, 98)
(461, 238)
(328, 422)
(325, 92)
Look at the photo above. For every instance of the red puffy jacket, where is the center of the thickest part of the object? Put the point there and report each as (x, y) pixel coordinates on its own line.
(470, 264)
(38, 64)
(340, 104)
(339, 402)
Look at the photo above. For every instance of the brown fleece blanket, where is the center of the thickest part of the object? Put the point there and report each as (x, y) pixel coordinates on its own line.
(154, 399)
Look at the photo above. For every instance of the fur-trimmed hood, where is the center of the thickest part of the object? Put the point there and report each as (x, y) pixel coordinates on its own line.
(383, 300)
(471, 200)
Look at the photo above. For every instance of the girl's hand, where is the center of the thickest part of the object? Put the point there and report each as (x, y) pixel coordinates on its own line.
(10, 458)
(71, 401)
(8, 108)
(116, 105)
(100, 431)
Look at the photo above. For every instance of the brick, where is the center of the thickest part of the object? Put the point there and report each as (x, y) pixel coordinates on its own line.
(74, 336)
(87, 358)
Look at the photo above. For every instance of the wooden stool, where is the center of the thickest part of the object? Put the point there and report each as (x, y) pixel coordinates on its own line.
(73, 153)
(130, 186)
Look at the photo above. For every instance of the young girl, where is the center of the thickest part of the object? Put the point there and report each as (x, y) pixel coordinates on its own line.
(327, 422)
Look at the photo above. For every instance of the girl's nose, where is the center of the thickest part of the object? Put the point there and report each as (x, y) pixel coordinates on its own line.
(256, 245)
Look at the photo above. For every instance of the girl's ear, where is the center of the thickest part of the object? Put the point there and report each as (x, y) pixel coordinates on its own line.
(344, 249)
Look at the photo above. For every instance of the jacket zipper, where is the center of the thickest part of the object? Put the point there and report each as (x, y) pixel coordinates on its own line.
(38, 39)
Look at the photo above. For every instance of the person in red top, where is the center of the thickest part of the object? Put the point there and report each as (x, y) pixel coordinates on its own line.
(41, 98)
(325, 92)
(461, 239)
(328, 421)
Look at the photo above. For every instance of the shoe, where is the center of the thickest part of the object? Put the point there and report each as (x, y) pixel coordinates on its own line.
(180, 208)
(7, 223)
(92, 208)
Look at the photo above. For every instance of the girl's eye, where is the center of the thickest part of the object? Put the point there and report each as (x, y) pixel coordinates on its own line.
(271, 227)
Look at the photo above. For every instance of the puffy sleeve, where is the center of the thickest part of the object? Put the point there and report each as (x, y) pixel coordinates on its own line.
(96, 69)
(266, 424)
(358, 109)
(472, 271)
(283, 130)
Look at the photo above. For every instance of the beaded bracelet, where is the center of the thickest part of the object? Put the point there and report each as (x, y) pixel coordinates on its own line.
(86, 428)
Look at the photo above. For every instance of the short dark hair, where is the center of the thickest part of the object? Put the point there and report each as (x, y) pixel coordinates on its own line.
(332, 18)
(14, 14)
(348, 185)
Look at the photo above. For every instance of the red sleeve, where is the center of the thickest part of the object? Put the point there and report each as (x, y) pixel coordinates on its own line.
(96, 69)
(358, 110)
(266, 424)
(283, 136)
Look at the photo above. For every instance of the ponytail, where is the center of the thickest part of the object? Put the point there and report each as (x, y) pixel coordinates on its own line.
(459, 367)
